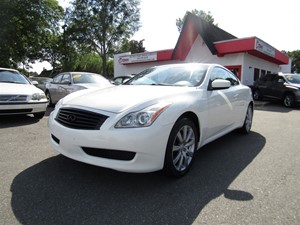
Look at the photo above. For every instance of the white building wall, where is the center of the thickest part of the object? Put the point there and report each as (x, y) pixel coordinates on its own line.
(200, 53)
(250, 63)
(286, 68)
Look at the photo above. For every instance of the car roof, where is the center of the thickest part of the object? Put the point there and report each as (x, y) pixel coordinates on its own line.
(8, 69)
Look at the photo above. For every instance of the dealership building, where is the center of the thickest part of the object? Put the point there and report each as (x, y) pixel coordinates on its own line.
(202, 42)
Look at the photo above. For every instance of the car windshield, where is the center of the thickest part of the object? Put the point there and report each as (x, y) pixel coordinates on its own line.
(190, 75)
(7, 76)
(83, 78)
(295, 78)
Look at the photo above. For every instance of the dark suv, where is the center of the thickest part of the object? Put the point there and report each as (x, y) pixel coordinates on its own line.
(284, 87)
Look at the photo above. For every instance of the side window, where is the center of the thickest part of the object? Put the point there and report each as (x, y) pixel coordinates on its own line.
(233, 79)
(217, 73)
(220, 73)
(57, 79)
(270, 77)
(66, 79)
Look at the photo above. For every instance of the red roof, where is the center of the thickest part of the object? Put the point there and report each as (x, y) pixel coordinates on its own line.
(253, 46)
(218, 41)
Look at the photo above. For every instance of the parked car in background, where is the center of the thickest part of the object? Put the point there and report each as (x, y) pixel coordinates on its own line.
(41, 82)
(68, 82)
(281, 86)
(121, 79)
(156, 120)
(19, 96)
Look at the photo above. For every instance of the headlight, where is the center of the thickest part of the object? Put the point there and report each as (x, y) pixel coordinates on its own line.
(38, 96)
(143, 118)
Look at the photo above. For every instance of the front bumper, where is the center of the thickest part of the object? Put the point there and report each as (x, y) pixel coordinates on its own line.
(22, 108)
(142, 149)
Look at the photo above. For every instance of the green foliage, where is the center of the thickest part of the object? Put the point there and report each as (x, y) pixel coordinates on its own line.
(204, 15)
(27, 26)
(295, 56)
(97, 26)
(132, 46)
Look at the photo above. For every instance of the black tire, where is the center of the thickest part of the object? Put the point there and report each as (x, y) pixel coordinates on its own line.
(181, 147)
(256, 95)
(48, 95)
(39, 115)
(245, 129)
(289, 100)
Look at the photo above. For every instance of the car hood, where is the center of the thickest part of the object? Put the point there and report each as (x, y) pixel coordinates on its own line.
(292, 85)
(18, 89)
(92, 85)
(120, 98)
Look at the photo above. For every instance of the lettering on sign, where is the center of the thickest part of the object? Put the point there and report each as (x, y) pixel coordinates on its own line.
(142, 57)
(264, 48)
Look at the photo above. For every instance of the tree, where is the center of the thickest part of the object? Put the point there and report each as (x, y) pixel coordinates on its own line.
(27, 26)
(295, 56)
(97, 26)
(204, 15)
(132, 46)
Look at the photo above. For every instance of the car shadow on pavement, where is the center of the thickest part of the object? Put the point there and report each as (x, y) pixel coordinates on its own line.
(59, 190)
(21, 120)
(273, 106)
(17, 120)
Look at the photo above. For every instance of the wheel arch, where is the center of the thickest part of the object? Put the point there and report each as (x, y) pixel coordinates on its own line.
(194, 118)
(286, 93)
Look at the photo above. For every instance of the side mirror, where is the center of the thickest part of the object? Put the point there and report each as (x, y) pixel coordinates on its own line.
(219, 84)
(280, 80)
(66, 82)
(34, 82)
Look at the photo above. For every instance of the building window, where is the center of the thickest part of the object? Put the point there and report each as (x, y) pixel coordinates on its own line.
(256, 74)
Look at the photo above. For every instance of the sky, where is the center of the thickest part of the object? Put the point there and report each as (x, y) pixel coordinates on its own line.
(276, 22)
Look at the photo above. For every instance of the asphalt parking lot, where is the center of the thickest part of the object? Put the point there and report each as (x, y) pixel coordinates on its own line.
(238, 179)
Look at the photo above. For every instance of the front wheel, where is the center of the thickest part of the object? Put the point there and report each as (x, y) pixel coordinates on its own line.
(256, 95)
(48, 96)
(245, 129)
(181, 147)
(289, 100)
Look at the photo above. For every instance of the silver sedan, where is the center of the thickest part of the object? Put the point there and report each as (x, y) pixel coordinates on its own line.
(68, 82)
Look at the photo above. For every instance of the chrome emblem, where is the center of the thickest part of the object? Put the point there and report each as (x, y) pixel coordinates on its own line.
(71, 118)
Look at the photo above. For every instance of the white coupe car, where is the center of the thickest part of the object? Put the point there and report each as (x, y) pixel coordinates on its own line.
(18, 95)
(156, 120)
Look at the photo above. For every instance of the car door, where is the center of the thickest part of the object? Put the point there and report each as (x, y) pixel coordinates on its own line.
(278, 87)
(53, 87)
(65, 87)
(222, 103)
(266, 85)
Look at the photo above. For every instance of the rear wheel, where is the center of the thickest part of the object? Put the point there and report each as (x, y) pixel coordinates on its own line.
(181, 147)
(289, 100)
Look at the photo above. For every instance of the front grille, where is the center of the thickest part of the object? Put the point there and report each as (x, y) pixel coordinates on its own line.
(80, 119)
(13, 98)
(109, 154)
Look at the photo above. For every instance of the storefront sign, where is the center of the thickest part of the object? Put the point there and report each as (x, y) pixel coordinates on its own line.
(264, 48)
(136, 58)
